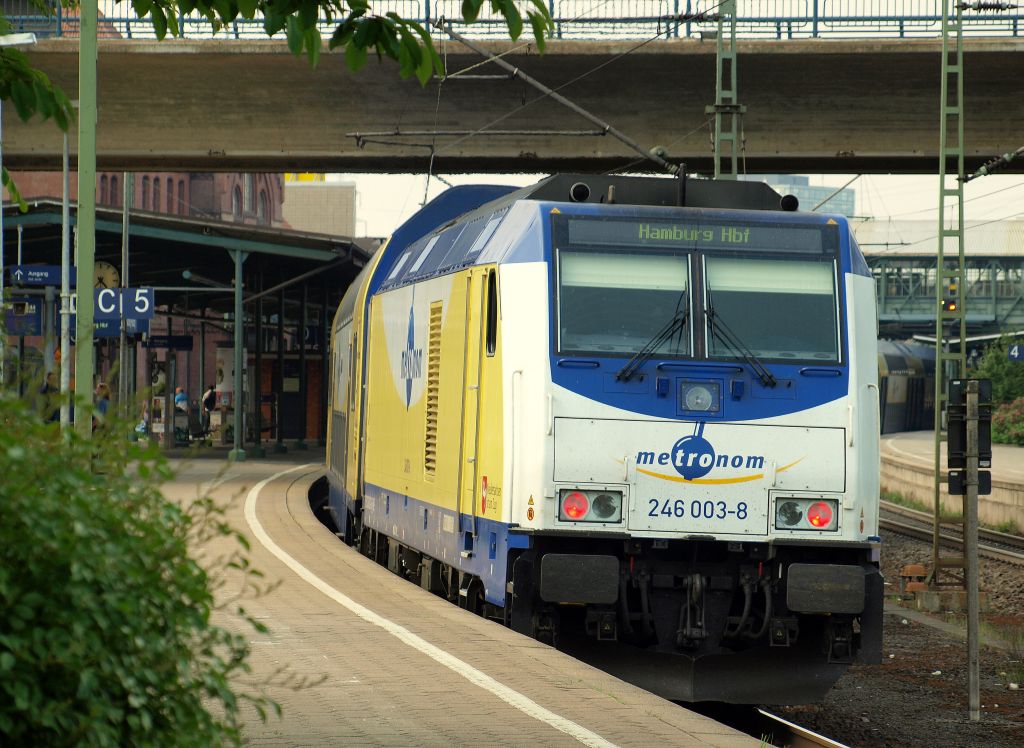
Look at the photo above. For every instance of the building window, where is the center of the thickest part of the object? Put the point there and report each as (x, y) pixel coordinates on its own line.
(170, 195)
(115, 194)
(103, 190)
(261, 210)
(145, 193)
(156, 194)
(250, 193)
(181, 197)
(236, 204)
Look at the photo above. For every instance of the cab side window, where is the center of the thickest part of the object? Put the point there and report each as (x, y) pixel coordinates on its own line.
(492, 313)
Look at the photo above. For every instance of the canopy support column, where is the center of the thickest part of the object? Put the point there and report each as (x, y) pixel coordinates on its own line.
(237, 454)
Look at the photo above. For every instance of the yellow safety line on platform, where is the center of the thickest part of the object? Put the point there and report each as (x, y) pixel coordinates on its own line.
(467, 671)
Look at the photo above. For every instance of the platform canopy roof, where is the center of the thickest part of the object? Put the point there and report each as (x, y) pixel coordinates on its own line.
(163, 247)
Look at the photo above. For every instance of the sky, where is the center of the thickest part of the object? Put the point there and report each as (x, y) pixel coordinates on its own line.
(384, 201)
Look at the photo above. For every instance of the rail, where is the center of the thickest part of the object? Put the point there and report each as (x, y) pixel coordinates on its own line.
(781, 731)
(991, 544)
(599, 19)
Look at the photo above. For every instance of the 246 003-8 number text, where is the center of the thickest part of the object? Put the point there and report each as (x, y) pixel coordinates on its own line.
(696, 509)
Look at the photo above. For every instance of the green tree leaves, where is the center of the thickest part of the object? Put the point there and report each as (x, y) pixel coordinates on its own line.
(358, 29)
(1007, 376)
(32, 93)
(106, 633)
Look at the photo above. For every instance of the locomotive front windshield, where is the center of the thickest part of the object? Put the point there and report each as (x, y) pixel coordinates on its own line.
(622, 282)
(779, 308)
(614, 301)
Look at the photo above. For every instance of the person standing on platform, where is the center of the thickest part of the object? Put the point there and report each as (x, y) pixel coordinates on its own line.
(51, 397)
(180, 399)
(209, 405)
(102, 402)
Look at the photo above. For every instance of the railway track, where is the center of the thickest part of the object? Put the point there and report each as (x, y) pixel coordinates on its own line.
(991, 544)
(785, 734)
(769, 728)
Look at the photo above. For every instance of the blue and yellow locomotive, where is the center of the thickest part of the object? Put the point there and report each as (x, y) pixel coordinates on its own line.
(634, 417)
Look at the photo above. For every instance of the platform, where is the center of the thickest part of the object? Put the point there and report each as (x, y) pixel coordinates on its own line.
(908, 468)
(402, 667)
(919, 447)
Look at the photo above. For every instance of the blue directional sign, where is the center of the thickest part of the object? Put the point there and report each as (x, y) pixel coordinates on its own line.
(25, 317)
(1016, 352)
(111, 328)
(39, 275)
(173, 342)
(115, 303)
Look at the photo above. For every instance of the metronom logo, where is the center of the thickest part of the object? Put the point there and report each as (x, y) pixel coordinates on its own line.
(694, 457)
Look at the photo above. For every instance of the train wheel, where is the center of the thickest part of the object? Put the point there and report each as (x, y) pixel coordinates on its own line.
(473, 600)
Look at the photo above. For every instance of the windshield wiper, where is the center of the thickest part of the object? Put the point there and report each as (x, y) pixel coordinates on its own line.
(673, 326)
(721, 331)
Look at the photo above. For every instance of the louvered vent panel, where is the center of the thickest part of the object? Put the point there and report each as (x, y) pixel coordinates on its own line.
(433, 389)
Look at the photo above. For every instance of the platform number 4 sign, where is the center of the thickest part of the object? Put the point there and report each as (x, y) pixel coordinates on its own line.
(1017, 352)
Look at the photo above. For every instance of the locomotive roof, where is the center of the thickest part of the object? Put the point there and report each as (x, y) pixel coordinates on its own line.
(467, 225)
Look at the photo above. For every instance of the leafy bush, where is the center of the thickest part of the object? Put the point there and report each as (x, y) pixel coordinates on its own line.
(1007, 376)
(105, 621)
(1008, 423)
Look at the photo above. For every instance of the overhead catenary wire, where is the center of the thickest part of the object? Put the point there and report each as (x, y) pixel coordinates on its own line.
(966, 228)
(553, 94)
(836, 192)
(517, 48)
(678, 20)
(705, 14)
(433, 141)
(636, 162)
(968, 200)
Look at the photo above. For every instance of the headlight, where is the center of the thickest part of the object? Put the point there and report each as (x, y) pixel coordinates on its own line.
(702, 397)
(577, 505)
(792, 513)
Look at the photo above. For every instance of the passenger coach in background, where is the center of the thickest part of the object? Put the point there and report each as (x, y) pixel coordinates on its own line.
(635, 418)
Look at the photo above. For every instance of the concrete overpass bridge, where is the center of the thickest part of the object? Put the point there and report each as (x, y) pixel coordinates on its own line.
(813, 105)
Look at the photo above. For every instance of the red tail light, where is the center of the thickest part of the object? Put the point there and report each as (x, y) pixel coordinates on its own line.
(575, 505)
(819, 514)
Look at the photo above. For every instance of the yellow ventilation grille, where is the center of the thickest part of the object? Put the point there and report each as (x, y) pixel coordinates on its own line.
(433, 388)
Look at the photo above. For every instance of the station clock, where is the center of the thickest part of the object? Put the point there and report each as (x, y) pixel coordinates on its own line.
(106, 275)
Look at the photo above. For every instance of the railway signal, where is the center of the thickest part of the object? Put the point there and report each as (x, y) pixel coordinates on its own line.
(951, 301)
(957, 445)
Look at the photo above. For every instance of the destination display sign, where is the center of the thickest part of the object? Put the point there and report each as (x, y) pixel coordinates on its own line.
(697, 235)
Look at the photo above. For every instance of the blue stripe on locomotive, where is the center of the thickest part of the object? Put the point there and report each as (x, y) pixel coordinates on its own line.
(420, 525)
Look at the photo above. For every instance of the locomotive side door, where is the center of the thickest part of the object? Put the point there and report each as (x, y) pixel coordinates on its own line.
(468, 466)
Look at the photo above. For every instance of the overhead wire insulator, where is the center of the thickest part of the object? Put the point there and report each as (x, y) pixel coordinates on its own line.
(995, 164)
